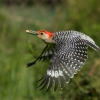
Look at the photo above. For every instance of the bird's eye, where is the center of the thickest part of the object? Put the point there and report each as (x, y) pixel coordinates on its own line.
(41, 33)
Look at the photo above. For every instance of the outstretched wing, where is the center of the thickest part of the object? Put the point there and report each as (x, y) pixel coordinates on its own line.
(46, 53)
(68, 58)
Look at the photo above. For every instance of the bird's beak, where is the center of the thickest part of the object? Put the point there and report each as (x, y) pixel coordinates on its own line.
(32, 32)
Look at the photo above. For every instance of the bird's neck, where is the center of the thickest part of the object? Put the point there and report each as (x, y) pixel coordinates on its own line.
(50, 40)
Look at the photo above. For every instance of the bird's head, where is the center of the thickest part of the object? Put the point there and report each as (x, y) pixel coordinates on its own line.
(43, 34)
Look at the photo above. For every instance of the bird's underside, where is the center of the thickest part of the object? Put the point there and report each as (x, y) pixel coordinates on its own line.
(66, 60)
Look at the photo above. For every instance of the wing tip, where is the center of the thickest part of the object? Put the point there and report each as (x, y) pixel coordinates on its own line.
(30, 64)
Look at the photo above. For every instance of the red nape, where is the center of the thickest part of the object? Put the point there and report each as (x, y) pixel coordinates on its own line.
(47, 32)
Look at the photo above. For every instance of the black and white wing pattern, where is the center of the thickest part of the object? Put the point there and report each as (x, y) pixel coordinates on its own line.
(46, 53)
(68, 58)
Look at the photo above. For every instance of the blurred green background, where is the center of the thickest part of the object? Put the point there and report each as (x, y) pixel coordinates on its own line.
(17, 48)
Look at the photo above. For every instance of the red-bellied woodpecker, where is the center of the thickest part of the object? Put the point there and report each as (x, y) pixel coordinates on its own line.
(67, 51)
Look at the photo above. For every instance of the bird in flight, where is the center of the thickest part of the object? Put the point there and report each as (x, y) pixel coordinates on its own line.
(67, 51)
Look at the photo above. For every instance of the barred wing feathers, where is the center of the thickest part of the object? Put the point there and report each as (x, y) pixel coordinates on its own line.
(66, 61)
(46, 53)
(90, 42)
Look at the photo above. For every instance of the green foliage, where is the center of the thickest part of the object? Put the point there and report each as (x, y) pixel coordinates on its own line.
(17, 48)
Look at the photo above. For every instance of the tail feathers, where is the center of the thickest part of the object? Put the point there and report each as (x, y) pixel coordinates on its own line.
(93, 45)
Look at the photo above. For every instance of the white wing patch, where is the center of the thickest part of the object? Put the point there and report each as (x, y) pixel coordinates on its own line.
(55, 74)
